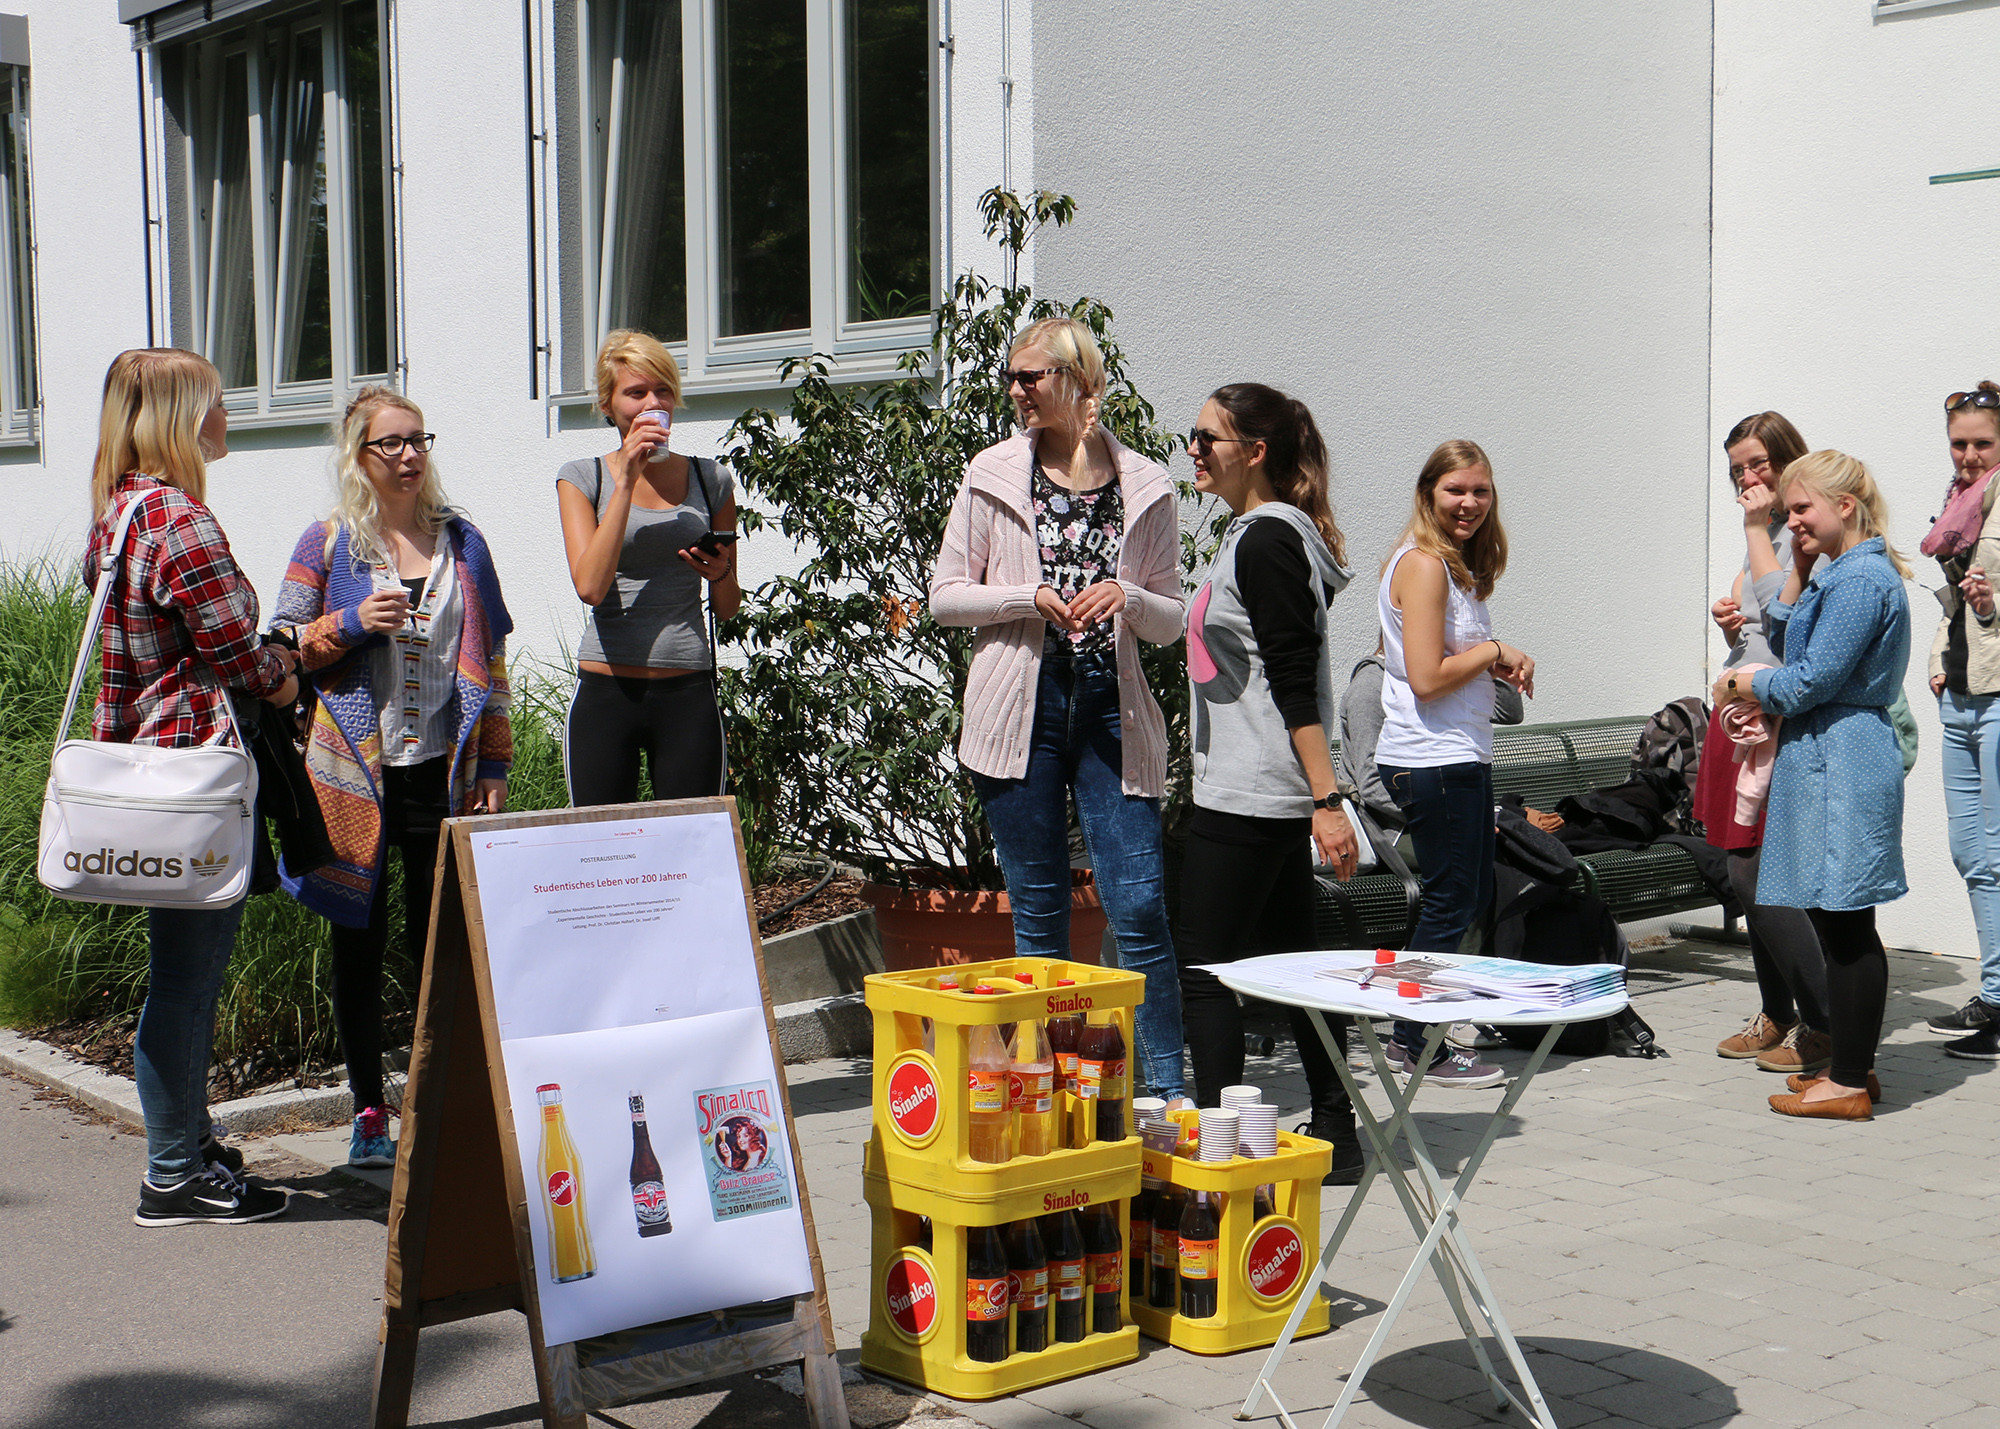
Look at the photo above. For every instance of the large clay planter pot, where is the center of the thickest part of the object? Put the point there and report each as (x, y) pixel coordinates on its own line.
(932, 927)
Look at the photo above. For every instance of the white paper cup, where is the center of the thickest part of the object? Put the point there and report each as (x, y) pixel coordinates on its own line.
(1147, 1110)
(1234, 1097)
(1219, 1132)
(1257, 1130)
(655, 418)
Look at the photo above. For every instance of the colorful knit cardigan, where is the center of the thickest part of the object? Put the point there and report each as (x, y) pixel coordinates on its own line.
(321, 600)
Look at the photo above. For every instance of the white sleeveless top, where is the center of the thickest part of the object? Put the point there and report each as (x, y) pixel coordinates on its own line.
(1453, 729)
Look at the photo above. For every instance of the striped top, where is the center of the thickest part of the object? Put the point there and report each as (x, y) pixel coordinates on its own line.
(413, 674)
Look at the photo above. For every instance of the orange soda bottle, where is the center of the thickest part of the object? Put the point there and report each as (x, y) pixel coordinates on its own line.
(562, 1193)
(988, 1099)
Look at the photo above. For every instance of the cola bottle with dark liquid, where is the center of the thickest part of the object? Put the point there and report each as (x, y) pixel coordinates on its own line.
(1164, 1251)
(1104, 1267)
(1028, 1287)
(1100, 1055)
(649, 1189)
(985, 1295)
(1139, 1244)
(1200, 1257)
(1062, 1240)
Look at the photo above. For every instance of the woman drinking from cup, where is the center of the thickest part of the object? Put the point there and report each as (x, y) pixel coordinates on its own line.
(400, 624)
(644, 528)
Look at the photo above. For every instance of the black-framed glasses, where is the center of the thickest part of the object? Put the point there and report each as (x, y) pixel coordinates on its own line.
(1204, 441)
(1756, 466)
(392, 445)
(1026, 376)
(1978, 397)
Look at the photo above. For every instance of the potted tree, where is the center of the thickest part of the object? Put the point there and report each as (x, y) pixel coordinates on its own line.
(843, 720)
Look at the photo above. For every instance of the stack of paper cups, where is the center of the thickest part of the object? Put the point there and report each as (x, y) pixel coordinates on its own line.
(1257, 1130)
(1234, 1097)
(1148, 1110)
(1220, 1131)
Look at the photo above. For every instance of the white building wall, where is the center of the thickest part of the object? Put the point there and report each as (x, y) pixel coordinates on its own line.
(1426, 220)
(1850, 295)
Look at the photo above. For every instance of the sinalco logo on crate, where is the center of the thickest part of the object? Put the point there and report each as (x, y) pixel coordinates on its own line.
(909, 1291)
(1274, 1260)
(914, 1108)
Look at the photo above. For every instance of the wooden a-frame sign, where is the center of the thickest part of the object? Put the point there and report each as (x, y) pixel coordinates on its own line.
(459, 1243)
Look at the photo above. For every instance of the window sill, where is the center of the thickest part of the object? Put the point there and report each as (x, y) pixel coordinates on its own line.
(852, 368)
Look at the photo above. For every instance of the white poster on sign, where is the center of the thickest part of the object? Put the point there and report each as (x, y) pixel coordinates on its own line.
(622, 966)
(613, 924)
(714, 1123)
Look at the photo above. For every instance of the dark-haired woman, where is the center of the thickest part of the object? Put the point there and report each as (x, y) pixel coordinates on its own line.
(1063, 548)
(1263, 696)
(1790, 1031)
(1435, 753)
(1965, 677)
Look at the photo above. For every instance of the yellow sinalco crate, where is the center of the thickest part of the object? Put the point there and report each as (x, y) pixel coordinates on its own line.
(916, 1320)
(1264, 1266)
(922, 1122)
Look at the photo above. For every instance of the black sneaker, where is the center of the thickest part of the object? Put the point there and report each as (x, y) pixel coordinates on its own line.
(214, 1196)
(216, 1153)
(1979, 1047)
(1976, 1016)
(1348, 1158)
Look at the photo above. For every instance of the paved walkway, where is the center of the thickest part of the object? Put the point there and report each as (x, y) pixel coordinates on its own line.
(1675, 1255)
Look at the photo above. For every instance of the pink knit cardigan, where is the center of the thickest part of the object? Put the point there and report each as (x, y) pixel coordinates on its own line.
(987, 574)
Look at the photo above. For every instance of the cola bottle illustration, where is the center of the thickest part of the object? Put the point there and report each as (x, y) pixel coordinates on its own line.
(562, 1193)
(649, 1189)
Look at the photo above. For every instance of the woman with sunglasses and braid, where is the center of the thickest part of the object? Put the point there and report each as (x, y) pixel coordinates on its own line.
(1965, 677)
(1264, 784)
(1063, 550)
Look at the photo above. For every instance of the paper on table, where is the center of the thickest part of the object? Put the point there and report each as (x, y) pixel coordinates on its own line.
(1297, 981)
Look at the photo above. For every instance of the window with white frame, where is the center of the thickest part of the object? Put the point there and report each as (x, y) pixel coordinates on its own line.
(748, 180)
(276, 179)
(19, 390)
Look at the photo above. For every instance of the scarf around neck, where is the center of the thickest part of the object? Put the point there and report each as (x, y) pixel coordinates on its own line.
(1956, 530)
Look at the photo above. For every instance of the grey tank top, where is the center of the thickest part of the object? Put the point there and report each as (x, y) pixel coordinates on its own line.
(652, 614)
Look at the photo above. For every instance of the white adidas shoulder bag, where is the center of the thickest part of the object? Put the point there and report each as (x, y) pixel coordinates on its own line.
(138, 823)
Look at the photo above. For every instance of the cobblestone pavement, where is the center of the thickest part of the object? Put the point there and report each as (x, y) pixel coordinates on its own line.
(1671, 1252)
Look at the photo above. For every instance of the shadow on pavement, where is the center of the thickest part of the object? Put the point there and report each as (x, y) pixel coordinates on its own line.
(1436, 1385)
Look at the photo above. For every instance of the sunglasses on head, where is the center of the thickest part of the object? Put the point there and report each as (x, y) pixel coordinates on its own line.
(1204, 441)
(1026, 376)
(1978, 397)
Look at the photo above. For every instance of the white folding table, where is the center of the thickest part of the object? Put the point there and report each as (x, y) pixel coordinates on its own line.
(1432, 1208)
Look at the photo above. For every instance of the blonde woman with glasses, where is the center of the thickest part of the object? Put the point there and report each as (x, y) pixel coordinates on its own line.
(401, 626)
(180, 635)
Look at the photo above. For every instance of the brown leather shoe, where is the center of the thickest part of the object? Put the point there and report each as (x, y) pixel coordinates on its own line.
(1758, 1036)
(1858, 1107)
(1803, 1050)
(1799, 1083)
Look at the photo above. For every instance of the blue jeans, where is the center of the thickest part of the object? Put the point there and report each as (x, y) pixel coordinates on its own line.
(1076, 745)
(190, 950)
(1972, 813)
(1449, 813)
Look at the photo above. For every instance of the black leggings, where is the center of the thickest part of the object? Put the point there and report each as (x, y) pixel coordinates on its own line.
(1247, 888)
(1857, 989)
(674, 721)
(1791, 971)
(415, 800)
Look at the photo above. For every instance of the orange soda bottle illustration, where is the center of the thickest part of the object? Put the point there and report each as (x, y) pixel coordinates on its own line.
(562, 1193)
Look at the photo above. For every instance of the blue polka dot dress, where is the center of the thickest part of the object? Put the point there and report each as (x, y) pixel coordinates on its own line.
(1834, 835)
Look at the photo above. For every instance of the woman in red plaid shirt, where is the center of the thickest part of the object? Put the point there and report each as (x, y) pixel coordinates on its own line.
(180, 632)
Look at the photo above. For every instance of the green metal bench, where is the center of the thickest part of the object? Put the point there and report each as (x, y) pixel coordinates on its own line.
(1543, 764)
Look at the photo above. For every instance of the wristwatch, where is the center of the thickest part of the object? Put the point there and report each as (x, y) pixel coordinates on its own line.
(1331, 803)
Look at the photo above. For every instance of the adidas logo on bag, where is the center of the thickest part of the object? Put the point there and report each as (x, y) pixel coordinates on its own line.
(210, 864)
(129, 865)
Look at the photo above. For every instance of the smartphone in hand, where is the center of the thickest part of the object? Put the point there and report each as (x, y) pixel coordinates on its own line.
(712, 542)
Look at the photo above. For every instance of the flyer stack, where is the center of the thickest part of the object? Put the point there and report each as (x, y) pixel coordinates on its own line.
(1000, 1175)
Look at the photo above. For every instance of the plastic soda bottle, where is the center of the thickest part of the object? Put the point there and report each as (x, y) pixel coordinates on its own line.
(562, 1193)
(1028, 1287)
(1104, 1267)
(985, 1295)
(1031, 1084)
(1200, 1258)
(1062, 1239)
(947, 983)
(1101, 1076)
(1064, 1031)
(986, 1084)
(1139, 1250)
(1164, 1252)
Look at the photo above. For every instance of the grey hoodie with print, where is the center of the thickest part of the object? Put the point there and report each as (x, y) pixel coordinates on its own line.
(1243, 757)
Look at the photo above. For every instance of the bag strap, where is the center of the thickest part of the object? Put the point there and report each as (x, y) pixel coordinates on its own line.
(107, 577)
(698, 466)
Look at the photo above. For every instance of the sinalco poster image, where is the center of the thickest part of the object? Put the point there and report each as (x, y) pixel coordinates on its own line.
(744, 1150)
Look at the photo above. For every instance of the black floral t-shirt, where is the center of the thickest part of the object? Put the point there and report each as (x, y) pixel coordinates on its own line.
(1080, 533)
